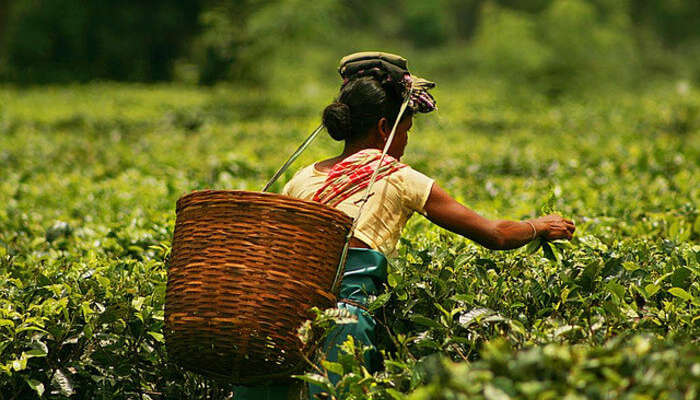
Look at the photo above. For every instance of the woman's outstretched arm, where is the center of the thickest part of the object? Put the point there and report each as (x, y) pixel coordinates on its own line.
(446, 212)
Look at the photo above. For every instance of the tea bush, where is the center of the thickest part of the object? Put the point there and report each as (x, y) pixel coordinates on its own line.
(89, 176)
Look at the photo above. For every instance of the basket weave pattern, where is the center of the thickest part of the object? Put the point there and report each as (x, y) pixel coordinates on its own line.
(244, 270)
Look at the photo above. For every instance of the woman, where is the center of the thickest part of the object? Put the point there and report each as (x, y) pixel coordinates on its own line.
(363, 116)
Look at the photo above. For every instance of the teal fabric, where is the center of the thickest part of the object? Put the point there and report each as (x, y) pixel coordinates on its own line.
(365, 275)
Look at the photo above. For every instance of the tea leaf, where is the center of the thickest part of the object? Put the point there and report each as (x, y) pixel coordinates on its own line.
(680, 293)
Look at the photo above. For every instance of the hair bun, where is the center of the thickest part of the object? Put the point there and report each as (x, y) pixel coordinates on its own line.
(336, 119)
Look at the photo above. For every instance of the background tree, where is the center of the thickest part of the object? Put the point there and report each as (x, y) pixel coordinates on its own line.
(241, 41)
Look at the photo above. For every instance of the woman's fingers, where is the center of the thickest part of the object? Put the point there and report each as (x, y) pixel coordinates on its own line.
(561, 231)
(569, 226)
(559, 227)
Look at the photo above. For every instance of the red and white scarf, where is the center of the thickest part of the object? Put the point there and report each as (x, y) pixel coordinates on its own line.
(353, 174)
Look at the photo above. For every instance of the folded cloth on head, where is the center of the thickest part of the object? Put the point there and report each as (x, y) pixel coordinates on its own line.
(391, 69)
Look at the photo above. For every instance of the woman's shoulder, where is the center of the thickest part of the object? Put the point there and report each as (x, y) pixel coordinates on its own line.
(408, 175)
(302, 178)
(309, 170)
(414, 186)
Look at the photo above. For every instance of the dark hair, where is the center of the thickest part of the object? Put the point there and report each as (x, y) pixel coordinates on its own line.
(361, 104)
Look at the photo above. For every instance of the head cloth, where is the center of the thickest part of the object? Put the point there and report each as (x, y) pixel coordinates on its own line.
(389, 69)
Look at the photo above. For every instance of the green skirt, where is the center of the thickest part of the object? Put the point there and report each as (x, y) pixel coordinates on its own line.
(365, 275)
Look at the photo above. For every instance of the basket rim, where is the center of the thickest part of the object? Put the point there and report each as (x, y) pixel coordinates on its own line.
(281, 199)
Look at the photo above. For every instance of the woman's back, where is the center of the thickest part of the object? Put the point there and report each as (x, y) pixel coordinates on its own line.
(392, 201)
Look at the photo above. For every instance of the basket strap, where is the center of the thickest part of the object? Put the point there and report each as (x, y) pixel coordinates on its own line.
(372, 179)
(293, 157)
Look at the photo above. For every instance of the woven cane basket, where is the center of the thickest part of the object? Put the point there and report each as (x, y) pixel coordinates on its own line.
(244, 270)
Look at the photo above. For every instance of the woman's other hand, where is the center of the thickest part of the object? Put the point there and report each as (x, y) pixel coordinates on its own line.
(553, 227)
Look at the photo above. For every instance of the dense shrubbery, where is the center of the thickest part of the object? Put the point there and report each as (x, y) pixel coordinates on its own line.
(68, 40)
(559, 45)
(568, 46)
(89, 176)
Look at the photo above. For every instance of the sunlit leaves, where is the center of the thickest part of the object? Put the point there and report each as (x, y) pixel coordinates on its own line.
(88, 185)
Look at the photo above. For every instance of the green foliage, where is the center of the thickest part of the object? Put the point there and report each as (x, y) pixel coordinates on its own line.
(58, 41)
(638, 367)
(89, 176)
(568, 46)
(559, 46)
(506, 41)
(427, 23)
(240, 38)
(669, 18)
(634, 368)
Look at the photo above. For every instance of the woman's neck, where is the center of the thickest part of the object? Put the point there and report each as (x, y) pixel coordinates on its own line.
(352, 148)
(348, 150)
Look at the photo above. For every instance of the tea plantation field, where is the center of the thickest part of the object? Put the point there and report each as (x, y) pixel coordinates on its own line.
(89, 176)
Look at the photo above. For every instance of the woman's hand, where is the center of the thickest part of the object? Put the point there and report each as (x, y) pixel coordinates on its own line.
(553, 227)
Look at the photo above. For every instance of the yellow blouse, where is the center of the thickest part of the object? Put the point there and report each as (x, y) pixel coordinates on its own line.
(391, 203)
